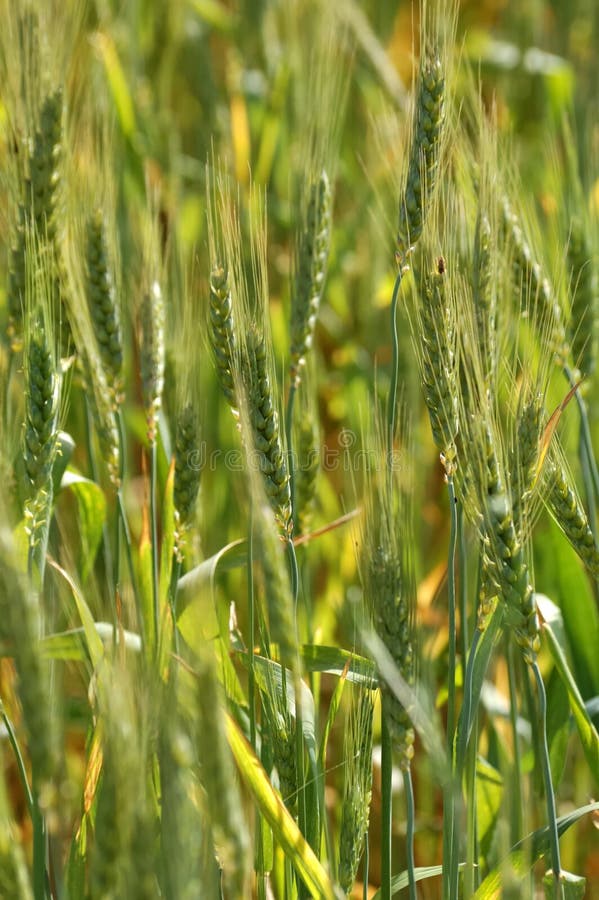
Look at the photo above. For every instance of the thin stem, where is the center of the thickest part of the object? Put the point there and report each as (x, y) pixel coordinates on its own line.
(386, 809)
(451, 602)
(93, 469)
(462, 557)
(252, 628)
(154, 532)
(410, 824)
(172, 596)
(450, 828)
(365, 867)
(516, 789)
(289, 434)
(471, 869)
(587, 477)
(585, 430)
(549, 795)
(466, 713)
(39, 852)
(19, 758)
(392, 408)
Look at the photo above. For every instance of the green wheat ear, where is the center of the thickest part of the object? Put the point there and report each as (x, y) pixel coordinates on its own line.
(357, 787)
(266, 431)
(187, 475)
(584, 290)
(438, 362)
(423, 161)
(102, 302)
(313, 257)
(222, 331)
(38, 207)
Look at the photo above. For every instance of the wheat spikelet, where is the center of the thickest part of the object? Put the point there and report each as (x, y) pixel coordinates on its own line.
(222, 331)
(37, 211)
(484, 295)
(267, 438)
(504, 557)
(308, 466)
(438, 362)
(533, 287)
(357, 788)
(423, 159)
(102, 302)
(386, 571)
(525, 456)
(312, 262)
(584, 288)
(187, 476)
(281, 729)
(568, 512)
(277, 588)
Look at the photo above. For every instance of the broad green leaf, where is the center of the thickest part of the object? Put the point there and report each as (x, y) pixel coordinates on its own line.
(567, 583)
(232, 556)
(573, 886)
(528, 851)
(489, 795)
(558, 725)
(91, 507)
(95, 648)
(71, 644)
(285, 829)
(421, 873)
(333, 660)
(478, 667)
(586, 730)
